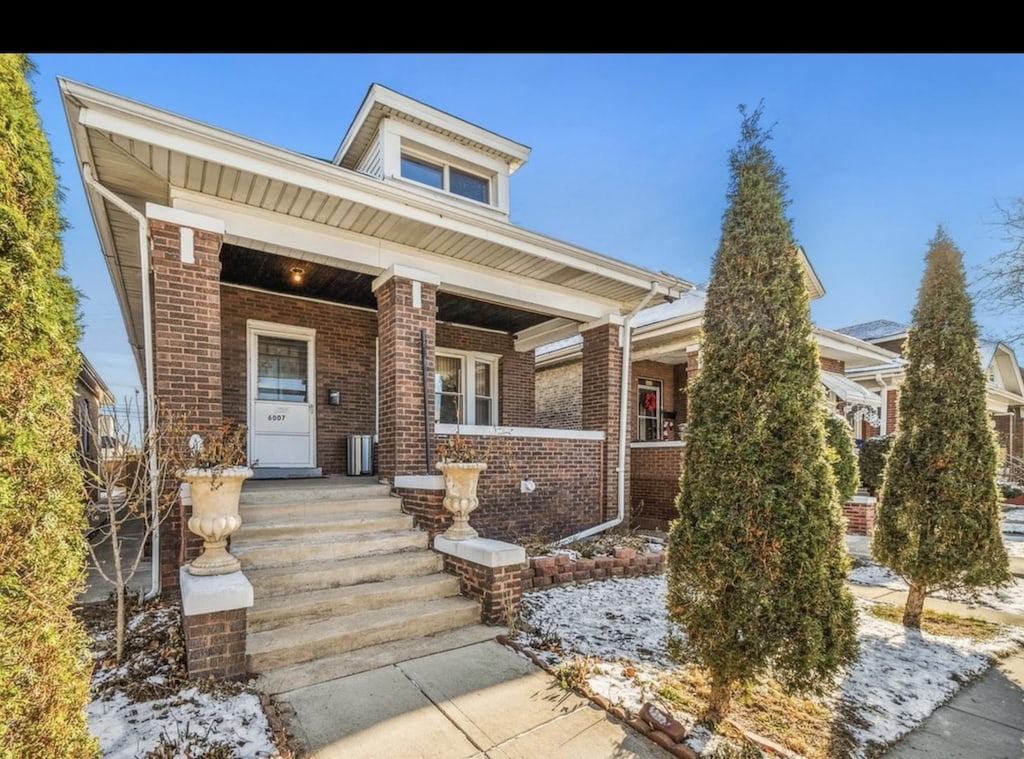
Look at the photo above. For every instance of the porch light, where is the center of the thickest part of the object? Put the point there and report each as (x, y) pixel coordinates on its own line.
(297, 275)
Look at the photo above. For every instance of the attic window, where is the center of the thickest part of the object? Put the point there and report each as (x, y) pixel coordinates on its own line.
(446, 177)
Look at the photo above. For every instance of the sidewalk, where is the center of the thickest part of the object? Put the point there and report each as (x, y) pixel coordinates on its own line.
(482, 701)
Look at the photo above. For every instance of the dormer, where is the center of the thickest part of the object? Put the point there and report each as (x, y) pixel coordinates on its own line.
(429, 152)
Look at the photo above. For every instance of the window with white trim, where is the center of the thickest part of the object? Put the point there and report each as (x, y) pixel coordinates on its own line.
(648, 412)
(442, 175)
(465, 388)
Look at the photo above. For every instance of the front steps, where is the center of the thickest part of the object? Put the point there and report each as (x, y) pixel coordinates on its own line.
(343, 583)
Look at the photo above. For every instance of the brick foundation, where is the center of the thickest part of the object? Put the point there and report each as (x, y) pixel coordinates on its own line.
(499, 590)
(545, 571)
(654, 484)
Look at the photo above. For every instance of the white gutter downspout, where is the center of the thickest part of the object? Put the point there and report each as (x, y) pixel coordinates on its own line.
(620, 485)
(147, 341)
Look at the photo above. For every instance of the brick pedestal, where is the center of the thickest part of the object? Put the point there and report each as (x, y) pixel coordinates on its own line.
(214, 616)
(860, 514)
(490, 572)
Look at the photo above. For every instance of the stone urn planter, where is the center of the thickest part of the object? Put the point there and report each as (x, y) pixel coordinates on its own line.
(460, 481)
(214, 494)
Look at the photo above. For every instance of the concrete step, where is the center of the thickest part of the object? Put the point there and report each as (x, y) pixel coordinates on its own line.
(308, 491)
(318, 525)
(278, 611)
(308, 641)
(290, 550)
(352, 662)
(273, 581)
(324, 508)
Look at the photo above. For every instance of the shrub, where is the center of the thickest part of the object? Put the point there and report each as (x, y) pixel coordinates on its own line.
(873, 453)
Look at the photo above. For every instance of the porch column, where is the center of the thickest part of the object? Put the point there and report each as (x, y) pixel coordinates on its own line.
(406, 321)
(602, 380)
(186, 346)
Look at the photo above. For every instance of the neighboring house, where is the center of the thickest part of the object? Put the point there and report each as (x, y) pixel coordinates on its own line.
(90, 424)
(383, 291)
(1004, 391)
(664, 358)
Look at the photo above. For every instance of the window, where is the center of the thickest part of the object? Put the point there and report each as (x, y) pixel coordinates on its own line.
(444, 177)
(282, 370)
(464, 389)
(648, 419)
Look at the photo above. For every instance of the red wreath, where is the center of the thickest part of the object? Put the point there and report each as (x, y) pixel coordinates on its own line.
(650, 402)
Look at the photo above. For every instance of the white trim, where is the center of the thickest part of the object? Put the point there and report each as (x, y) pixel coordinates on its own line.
(208, 594)
(545, 333)
(534, 432)
(482, 551)
(188, 219)
(469, 361)
(253, 329)
(613, 319)
(405, 272)
(658, 444)
(188, 245)
(419, 481)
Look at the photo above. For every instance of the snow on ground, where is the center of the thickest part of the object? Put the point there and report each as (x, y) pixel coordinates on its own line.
(147, 704)
(1009, 599)
(1013, 521)
(899, 678)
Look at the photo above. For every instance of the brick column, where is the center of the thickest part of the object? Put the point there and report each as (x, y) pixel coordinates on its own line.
(406, 316)
(186, 346)
(892, 410)
(602, 380)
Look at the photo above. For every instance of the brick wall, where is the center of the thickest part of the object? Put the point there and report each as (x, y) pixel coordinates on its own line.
(499, 590)
(215, 644)
(833, 365)
(654, 485)
(399, 327)
(559, 390)
(515, 370)
(187, 358)
(602, 377)
(567, 498)
(545, 571)
(345, 360)
(860, 517)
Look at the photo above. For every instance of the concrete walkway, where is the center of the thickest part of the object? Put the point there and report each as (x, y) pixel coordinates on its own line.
(482, 700)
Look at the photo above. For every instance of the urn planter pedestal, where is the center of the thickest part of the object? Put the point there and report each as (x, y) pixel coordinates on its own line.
(215, 495)
(460, 482)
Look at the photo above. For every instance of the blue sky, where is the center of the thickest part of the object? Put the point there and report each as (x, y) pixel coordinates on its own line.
(630, 152)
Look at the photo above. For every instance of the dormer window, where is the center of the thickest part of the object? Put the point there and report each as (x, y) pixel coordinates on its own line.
(446, 177)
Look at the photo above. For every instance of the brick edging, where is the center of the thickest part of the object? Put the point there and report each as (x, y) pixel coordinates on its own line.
(546, 571)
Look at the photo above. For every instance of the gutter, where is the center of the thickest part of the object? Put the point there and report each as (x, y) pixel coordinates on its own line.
(620, 485)
(885, 404)
(147, 328)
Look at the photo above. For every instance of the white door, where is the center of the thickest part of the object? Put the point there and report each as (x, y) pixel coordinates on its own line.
(282, 389)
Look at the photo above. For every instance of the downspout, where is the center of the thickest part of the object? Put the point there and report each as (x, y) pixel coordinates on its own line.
(147, 341)
(620, 485)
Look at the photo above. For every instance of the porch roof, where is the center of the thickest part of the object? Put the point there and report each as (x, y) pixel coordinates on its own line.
(849, 391)
(296, 206)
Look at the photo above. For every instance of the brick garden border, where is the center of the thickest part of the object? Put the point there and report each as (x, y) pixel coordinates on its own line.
(561, 569)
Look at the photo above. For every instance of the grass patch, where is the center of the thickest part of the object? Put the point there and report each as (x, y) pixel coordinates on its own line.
(942, 623)
(806, 727)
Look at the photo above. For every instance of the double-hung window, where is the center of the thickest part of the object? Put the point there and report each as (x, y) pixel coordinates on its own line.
(465, 388)
(648, 413)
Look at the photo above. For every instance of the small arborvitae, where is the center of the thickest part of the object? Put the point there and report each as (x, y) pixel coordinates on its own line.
(939, 511)
(842, 454)
(757, 556)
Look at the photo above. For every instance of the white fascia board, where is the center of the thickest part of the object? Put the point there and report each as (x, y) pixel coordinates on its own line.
(547, 332)
(375, 256)
(206, 143)
(683, 325)
(184, 218)
(654, 352)
(532, 432)
(852, 346)
(405, 272)
(1000, 399)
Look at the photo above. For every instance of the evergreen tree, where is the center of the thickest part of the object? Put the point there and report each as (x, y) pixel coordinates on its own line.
(757, 561)
(44, 663)
(938, 520)
(842, 455)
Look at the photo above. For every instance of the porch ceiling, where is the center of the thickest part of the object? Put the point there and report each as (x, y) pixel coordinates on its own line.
(265, 271)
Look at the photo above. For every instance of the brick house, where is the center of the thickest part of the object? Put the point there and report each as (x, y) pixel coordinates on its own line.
(382, 294)
(664, 357)
(1005, 385)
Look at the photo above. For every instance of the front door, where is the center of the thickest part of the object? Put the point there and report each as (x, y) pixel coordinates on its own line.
(282, 413)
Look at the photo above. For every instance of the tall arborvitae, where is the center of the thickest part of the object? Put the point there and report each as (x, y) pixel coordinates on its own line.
(939, 513)
(757, 559)
(44, 663)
